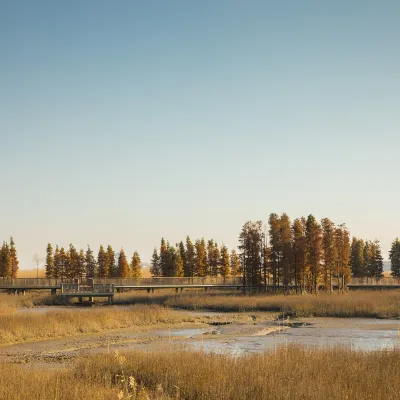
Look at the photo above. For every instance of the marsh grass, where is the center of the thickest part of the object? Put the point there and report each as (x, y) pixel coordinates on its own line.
(288, 373)
(372, 304)
(26, 326)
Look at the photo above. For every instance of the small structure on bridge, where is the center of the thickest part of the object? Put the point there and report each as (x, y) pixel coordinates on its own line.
(88, 290)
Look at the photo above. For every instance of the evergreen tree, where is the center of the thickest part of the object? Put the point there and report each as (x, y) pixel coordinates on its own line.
(215, 261)
(136, 268)
(225, 269)
(357, 258)
(299, 253)
(110, 262)
(102, 263)
(171, 260)
(81, 265)
(14, 259)
(329, 254)
(57, 263)
(182, 253)
(63, 263)
(190, 258)
(123, 266)
(179, 270)
(72, 269)
(286, 248)
(5, 261)
(50, 268)
(155, 268)
(91, 265)
(164, 264)
(377, 262)
(201, 258)
(343, 250)
(251, 247)
(236, 266)
(313, 251)
(275, 248)
(394, 256)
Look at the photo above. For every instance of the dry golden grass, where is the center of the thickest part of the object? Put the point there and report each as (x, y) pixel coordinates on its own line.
(21, 327)
(285, 374)
(374, 304)
(385, 304)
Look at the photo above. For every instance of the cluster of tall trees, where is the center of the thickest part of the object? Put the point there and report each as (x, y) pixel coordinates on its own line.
(366, 258)
(394, 256)
(71, 263)
(198, 259)
(9, 263)
(303, 254)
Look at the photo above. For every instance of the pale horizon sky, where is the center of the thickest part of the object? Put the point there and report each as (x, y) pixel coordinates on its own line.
(122, 122)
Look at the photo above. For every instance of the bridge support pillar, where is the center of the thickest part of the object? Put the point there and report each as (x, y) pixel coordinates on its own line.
(21, 292)
(206, 288)
(148, 290)
(111, 300)
(181, 289)
(80, 299)
(176, 290)
(91, 299)
(53, 291)
(152, 291)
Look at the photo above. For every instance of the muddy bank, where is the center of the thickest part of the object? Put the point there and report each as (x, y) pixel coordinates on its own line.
(237, 334)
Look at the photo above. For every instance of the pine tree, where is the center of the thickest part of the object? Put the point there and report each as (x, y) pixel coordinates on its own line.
(275, 248)
(110, 262)
(72, 270)
(182, 253)
(136, 268)
(286, 248)
(178, 270)
(155, 268)
(81, 265)
(201, 258)
(394, 256)
(171, 260)
(299, 253)
(190, 258)
(343, 250)
(225, 265)
(251, 247)
(57, 263)
(102, 263)
(50, 268)
(329, 254)
(5, 261)
(357, 258)
(64, 261)
(14, 259)
(377, 262)
(123, 266)
(236, 266)
(214, 259)
(313, 251)
(164, 265)
(91, 266)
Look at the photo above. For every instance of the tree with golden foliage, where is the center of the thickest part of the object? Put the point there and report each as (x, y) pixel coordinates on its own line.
(123, 266)
(136, 268)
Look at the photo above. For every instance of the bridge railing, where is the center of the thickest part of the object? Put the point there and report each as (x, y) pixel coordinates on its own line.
(70, 288)
(166, 281)
(386, 281)
(28, 282)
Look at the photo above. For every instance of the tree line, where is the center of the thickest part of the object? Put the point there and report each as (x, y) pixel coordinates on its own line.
(199, 259)
(304, 254)
(71, 263)
(9, 263)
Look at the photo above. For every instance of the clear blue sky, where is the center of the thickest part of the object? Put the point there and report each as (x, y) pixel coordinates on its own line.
(125, 121)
